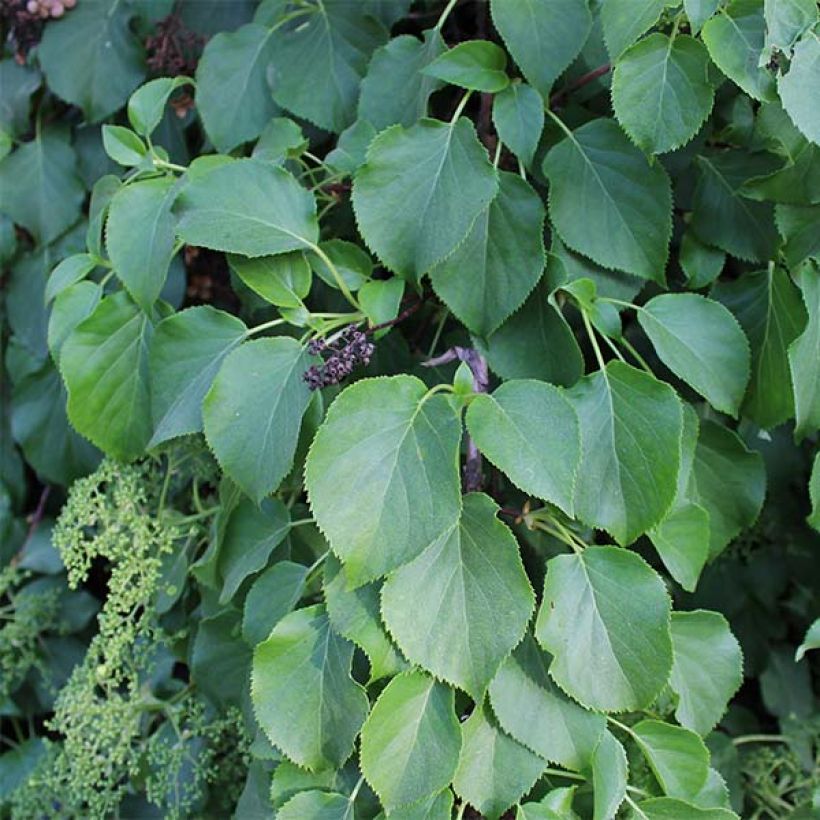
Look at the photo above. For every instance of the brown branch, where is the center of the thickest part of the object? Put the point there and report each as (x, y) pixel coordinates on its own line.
(579, 82)
(400, 318)
(37, 516)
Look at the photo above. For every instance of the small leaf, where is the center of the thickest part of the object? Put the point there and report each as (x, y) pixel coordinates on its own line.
(530, 431)
(609, 777)
(494, 771)
(479, 65)
(703, 690)
(810, 641)
(678, 757)
(146, 106)
(605, 620)
(682, 541)
(668, 808)
(123, 145)
(272, 596)
(701, 263)
(303, 668)
(518, 116)
(316, 805)
(410, 743)
(71, 270)
(282, 280)
(391, 442)
(281, 139)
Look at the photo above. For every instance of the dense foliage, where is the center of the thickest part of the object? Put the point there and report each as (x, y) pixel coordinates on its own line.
(410, 409)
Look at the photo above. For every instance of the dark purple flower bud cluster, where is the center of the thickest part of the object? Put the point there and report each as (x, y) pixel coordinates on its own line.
(349, 349)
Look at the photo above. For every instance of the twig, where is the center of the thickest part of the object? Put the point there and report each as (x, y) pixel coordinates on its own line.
(400, 318)
(37, 516)
(580, 82)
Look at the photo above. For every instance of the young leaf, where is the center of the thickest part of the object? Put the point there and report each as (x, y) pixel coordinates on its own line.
(479, 65)
(701, 263)
(391, 442)
(282, 280)
(804, 355)
(669, 808)
(420, 191)
(626, 222)
(530, 431)
(678, 757)
(272, 596)
(518, 117)
(628, 421)
(71, 270)
(460, 607)
(556, 805)
(609, 777)
(543, 36)
(104, 364)
(703, 690)
(123, 145)
(533, 710)
(303, 668)
(700, 342)
(494, 771)
(232, 92)
(624, 21)
(253, 411)
(247, 207)
(810, 641)
(317, 805)
(491, 273)
(187, 351)
(146, 106)
(411, 741)
(660, 91)
(605, 620)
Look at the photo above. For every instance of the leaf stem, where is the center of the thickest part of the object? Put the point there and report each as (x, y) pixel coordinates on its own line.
(635, 807)
(301, 522)
(265, 326)
(342, 285)
(622, 726)
(739, 741)
(593, 340)
(445, 14)
(560, 123)
(169, 166)
(630, 348)
(460, 107)
(562, 773)
(497, 156)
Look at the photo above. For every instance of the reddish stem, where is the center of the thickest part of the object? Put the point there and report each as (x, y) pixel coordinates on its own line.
(400, 318)
(579, 82)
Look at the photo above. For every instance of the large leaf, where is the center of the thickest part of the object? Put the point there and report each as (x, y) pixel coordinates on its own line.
(530, 431)
(607, 202)
(518, 116)
(787, 20)
(623, 21)
(700, 342)
(420, 191)
(605, 619)
(703, 690)
(494, 771)
(50, 200)
(139, 236)
(609, 777)
(533, 710)
(91, 58)
(232, 93)
(460, 607)
(302, 692)
(411, 740)
(104, 363)
(319, 59)
(384, 444)
(248, 207)
(491, 273)
(631, 427)
(804, 358)
(253, 412)
(186, 353)
(660, 91)
(543, 36)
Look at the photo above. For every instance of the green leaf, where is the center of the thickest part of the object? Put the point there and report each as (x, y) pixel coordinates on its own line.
(701, 264)
(533, 710)
(146, 106)
(769, 308)
(722, 217)
(71, 270)
(730, 481)
(682, 541)
(71, 306)
(518, 117)
(319, 58)
(629, 420)
(677, 757)
(139, 236)
(491, 273)
(700, 342)
(494, 771)
(810, 641)
(813, 518)
(609, 777)
(186, 353)
(803, 74)
(232, 93)
(804, 355)
(661, 92)
(735, 39)
(219, 660)
(543, 36)
(605, 619)
(556, 805)
(787, 20)
(317, 805)
(282, 280)
(281, 139)
(624, 21)
(478, 65)
(395, 91)
(699, 11)
(354, 614)
(123, 145)
(18, 82)
(104, 364)
(530, 431)
(380, 299)
(352, 263)
(247, 207)
(420, 192)
(19, 763)
(703, 690)
(668, 808)
(50, 200)
(460, 607)
(411, 741)
(272, 596)
(91, 58)
(251, 534)
(626, 223)
(302, 669)
(253, 412)
(435, 807)
(391, 442)
(799, 225)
